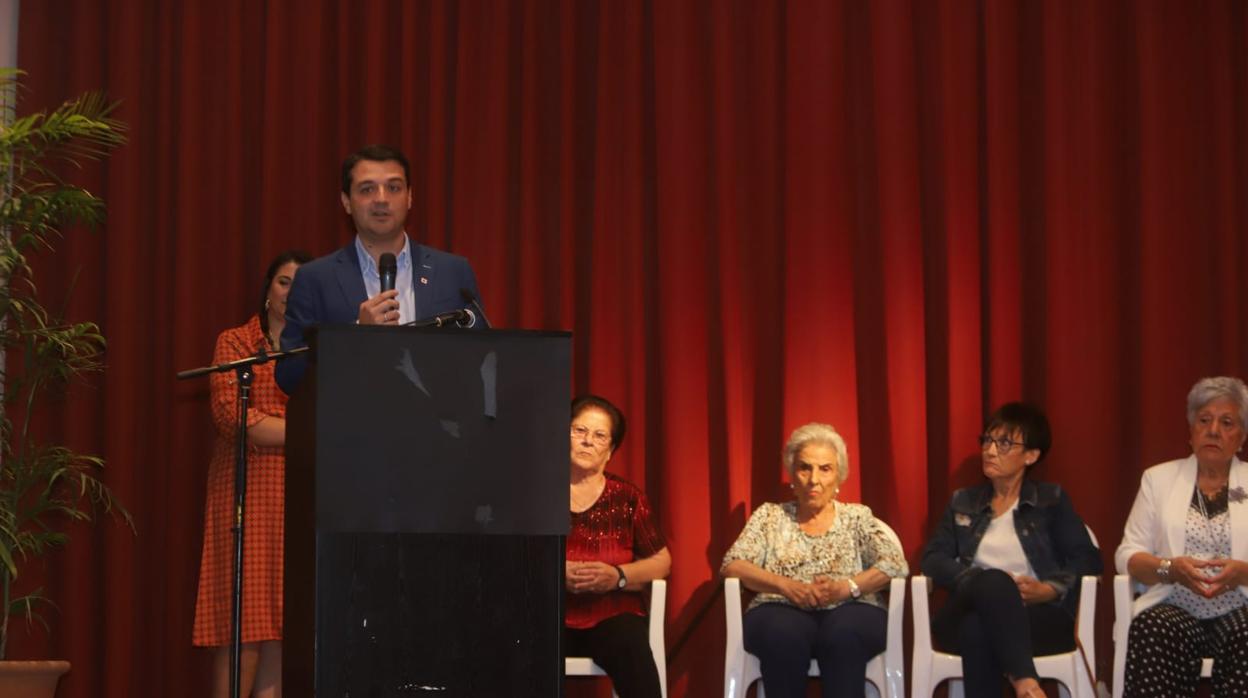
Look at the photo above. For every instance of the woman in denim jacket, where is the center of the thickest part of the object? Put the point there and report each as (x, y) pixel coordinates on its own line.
(1011, 552)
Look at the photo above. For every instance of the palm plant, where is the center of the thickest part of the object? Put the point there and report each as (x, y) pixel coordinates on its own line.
(43, 487)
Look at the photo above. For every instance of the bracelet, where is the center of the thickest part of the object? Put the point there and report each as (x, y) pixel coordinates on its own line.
(1163, 571)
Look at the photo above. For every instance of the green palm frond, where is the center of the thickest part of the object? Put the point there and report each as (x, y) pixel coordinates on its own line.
(38, 211)
(43, 487)
(79, 129)
(25, 607)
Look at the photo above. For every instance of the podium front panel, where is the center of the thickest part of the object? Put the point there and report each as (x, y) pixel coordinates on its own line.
(427, 477)
(425, 431)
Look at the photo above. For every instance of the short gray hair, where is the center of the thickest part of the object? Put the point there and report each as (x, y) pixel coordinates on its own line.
(1207, 390)
(816, 433)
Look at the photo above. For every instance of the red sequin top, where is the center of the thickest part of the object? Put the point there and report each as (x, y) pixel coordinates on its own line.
(617, 529)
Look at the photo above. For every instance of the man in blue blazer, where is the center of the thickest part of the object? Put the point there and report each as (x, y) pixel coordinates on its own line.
(345, 287)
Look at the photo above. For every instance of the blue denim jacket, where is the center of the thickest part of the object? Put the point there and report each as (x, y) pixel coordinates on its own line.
(1052, 535)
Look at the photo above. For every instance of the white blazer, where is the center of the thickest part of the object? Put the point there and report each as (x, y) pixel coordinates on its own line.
(1158, 520)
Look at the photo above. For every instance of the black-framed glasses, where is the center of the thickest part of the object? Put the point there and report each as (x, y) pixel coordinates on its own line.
(601, 438)
(1004, 443)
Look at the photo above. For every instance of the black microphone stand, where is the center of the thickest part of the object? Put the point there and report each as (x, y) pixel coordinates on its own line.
(243, 369)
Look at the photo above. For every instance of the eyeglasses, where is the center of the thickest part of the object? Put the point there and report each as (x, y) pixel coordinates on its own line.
(1004, 443)
(601, 438)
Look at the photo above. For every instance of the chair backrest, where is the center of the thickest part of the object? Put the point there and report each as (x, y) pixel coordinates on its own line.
(658, 615)
(897, 591)
(1085, 620)
(892, 535)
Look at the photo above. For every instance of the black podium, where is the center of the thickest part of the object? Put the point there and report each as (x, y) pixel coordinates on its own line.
(426, 510)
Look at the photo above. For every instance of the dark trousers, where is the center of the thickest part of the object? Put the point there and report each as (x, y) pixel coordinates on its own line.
(621, 646)
(986, 622)
(842, 640)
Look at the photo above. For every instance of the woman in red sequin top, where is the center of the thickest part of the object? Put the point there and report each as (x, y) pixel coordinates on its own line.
(614, 549)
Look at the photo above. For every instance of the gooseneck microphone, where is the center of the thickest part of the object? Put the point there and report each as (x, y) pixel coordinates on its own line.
(462, 317)
(387, 269)
(471, 298)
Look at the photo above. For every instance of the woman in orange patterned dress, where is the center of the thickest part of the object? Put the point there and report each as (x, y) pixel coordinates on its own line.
(261, 670)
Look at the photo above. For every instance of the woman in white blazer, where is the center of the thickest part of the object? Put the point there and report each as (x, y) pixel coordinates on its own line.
(1187, 538)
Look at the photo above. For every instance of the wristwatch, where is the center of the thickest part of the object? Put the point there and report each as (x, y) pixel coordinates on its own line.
(623, 580)
(1163, 571)
(854, 591)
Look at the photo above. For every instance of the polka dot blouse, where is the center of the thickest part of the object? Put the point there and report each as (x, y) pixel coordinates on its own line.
(1207, 538)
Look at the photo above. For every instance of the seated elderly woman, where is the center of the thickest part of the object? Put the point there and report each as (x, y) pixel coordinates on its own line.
(1011, 552)
(613, 550)
(818, 566)
(1187, 537)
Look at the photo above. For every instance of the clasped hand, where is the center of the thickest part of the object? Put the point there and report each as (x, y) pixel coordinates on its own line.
(1208, 578)
(1033, 590)
(823, 591)
(381, 309)
(590, 577)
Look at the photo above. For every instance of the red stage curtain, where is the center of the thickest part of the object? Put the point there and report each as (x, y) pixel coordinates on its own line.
(890, 216)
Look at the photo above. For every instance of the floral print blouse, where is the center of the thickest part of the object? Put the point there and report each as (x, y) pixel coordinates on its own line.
(856, 541)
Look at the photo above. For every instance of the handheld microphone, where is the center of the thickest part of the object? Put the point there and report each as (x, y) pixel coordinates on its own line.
(472, 300)
(387, 269)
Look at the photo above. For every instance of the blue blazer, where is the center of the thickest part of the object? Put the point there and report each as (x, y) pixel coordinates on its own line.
(1052, 535)
(330, 289)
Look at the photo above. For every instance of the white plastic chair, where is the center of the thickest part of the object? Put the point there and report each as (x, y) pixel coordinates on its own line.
(584, 666)
(929, 666)
(1124, 596)
(885, 672)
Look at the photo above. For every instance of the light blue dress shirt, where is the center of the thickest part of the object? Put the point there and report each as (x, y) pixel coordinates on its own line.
(402, 279)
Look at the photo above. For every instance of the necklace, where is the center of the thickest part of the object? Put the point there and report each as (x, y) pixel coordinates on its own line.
(1200, 502)
(1204, 515)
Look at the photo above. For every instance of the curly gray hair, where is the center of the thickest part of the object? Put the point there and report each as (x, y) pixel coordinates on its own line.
(816, 433)
(1207, 390)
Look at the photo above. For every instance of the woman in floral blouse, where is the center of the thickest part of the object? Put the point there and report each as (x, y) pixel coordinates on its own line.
(818, 566)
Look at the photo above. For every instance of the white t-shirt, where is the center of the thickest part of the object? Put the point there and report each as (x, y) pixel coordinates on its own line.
(1000, 548)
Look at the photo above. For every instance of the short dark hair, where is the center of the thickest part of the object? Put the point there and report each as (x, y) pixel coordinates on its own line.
(282, 259)
(589, 401)
(1028, 420)
(373, 153)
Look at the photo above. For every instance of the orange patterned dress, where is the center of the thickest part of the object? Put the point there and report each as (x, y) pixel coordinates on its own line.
(265, 511)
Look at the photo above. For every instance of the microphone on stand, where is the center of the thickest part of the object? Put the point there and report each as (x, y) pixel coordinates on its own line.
(387, 269)
(465, 318)
(461, 317)
(472, 300)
